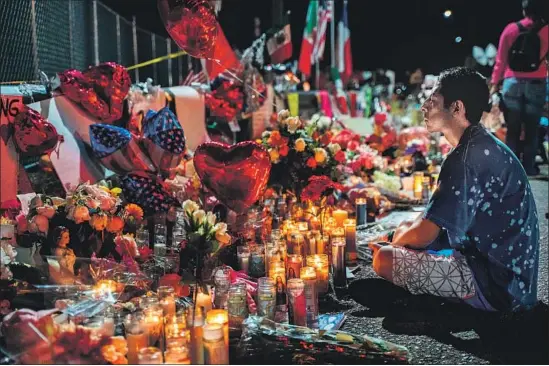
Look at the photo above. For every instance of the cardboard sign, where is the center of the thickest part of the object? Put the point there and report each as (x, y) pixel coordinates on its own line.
(9, 165)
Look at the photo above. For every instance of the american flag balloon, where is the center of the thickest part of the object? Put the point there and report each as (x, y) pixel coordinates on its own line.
(146, 191)
(164, 140)
(118, 150)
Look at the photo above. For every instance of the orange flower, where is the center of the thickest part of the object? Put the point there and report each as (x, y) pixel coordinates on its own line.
(115, 225)
(134, 211)
(99, 222)
(283, 151)
(275, 138)
(311, 163)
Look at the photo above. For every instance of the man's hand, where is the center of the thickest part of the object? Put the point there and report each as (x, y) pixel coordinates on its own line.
(418, 235)
(494, 88)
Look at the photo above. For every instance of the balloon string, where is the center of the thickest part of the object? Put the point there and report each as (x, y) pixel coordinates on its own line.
(237, 78)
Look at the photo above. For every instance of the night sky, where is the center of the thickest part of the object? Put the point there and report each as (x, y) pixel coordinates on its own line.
(395, 34)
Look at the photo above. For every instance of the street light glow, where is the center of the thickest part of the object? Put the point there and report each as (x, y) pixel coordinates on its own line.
(448, 13)
(458, 39)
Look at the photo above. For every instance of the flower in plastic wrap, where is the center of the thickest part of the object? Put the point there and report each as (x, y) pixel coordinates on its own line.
(174, 280)
(126, 246)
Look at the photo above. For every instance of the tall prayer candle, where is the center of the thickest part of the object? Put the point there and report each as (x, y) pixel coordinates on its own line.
(350, 242)
(418, 185)
(204, 300)
(216, 350)
(243, 254)
(322, 268)
(295, 262)
(195, 322)
(276, 270)
(136, 337)
(221, 317)
(166, 295)
(340, 216)
(154, 320)
(296, 294)
(308, 275)
(360, 211)
(338, 262)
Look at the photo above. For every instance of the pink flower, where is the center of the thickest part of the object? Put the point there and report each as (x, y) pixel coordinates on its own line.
(22, 223)
(352, 145)
(92, 203)
(126, 246)
(107, 203)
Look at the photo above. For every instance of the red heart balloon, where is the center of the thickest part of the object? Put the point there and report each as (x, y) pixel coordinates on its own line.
(236, 174)
(33, 134)
(100, 90)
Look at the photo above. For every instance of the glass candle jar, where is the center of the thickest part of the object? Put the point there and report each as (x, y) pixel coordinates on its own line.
(216, 351)
(295, 262)
(220, 317)
(257, 261)
(340, 216)
(176, 331)
(277, 269)
(360, 211)
(136, 336)
(266, 298)
(154, 321)
(177, 355)
(222, 283)
(195, 322)
(322, 267)
(308, 275)
(351, 255)
(166, 296)
(150, 356)
(418, 185)
(243, 254)
(238, 308)
(339, 271)
(297, 243)
(296, 295)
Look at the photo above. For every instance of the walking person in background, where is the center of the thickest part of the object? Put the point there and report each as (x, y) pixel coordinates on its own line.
(521, 65)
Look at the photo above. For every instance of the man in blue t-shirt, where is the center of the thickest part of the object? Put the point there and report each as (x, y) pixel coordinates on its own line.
(478, 239)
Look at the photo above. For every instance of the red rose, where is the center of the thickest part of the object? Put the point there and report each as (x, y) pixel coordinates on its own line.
(340, 156)
(311, 163)
(283, 150)
(352, 146)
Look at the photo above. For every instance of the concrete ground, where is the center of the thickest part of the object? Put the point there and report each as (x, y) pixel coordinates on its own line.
(441, 333)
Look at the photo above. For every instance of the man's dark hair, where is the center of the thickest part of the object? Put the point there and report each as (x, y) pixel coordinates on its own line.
(535, 9)
(467, 85)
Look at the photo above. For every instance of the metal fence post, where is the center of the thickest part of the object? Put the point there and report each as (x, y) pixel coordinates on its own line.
(118, 41)
(34, 39)
(95, 34)
(169, 50)
(71, 44)
(135, 59)
(153, 46)
(180, 70)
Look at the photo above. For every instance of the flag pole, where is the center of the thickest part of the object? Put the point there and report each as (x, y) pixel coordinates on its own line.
(332, 35)
(317, 75)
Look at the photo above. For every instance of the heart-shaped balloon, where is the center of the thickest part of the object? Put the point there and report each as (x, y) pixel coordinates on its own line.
(100, 90)
(236, 174)
(191, 24)
(118, 150)
(164, 140)
(146, 191)
(33, 134)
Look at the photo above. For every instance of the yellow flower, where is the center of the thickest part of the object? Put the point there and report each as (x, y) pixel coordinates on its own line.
(282, 115)
(274, 155)
(190, 206)
(320, 155)
(300, 145)
(116, 191)
(198, 216)
(293, 124)
(258, 141)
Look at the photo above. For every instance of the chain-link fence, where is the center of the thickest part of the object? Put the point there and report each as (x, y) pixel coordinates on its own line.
(55, 35)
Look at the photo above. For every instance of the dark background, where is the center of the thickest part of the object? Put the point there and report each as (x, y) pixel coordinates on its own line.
(395, 34)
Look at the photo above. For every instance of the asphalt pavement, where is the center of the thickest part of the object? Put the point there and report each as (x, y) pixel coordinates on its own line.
(436, 332)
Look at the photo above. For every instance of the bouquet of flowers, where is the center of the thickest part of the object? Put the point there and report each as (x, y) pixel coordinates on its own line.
(7, 253)
(95, 204)
(300, 150)
(205, 237)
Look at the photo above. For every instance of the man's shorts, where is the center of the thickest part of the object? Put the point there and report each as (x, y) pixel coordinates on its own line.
(433, 273)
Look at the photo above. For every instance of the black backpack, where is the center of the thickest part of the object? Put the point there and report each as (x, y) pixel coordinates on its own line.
(525, 51)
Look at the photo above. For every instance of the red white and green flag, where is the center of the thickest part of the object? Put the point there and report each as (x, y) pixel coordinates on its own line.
(344, 56)
(279, 45)
(307, 57)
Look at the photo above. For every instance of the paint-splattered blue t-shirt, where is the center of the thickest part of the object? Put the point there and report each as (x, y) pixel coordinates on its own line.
(485, 205)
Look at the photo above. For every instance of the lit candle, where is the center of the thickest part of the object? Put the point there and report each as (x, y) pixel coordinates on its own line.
(271, 252)
(296, 294)
(150, 356)
(302, 227)
(177, 355)
(351, 255)
(340, 216)
(296, 243)
(295, 262)
(277, 269)
(167, 300)
(220, 317)
(153, 323)
(195, 322)
(243, 254)
(418, 185)
(338, 232)
(238, 308)
(136, 336)
(204, 300)
(176, 331)
(360, 211)
(105, 288)
(314, 223)
(322, 268)
(308, 275)
(215, 349)
(338, 262)
(310, 248)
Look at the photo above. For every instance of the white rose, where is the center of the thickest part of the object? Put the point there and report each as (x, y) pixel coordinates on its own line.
(293, 124)
(198, 216)
(315, 118)
(220, 228)
(282, 115)
(210, 218)
(324, 121)
(190, 206)
(334, 148)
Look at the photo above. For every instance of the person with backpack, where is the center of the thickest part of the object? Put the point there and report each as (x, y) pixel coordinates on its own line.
(521, 63)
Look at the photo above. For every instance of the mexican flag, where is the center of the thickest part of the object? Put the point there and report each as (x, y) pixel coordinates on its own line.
(279, 45)
(306, 58)
(344, 56)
